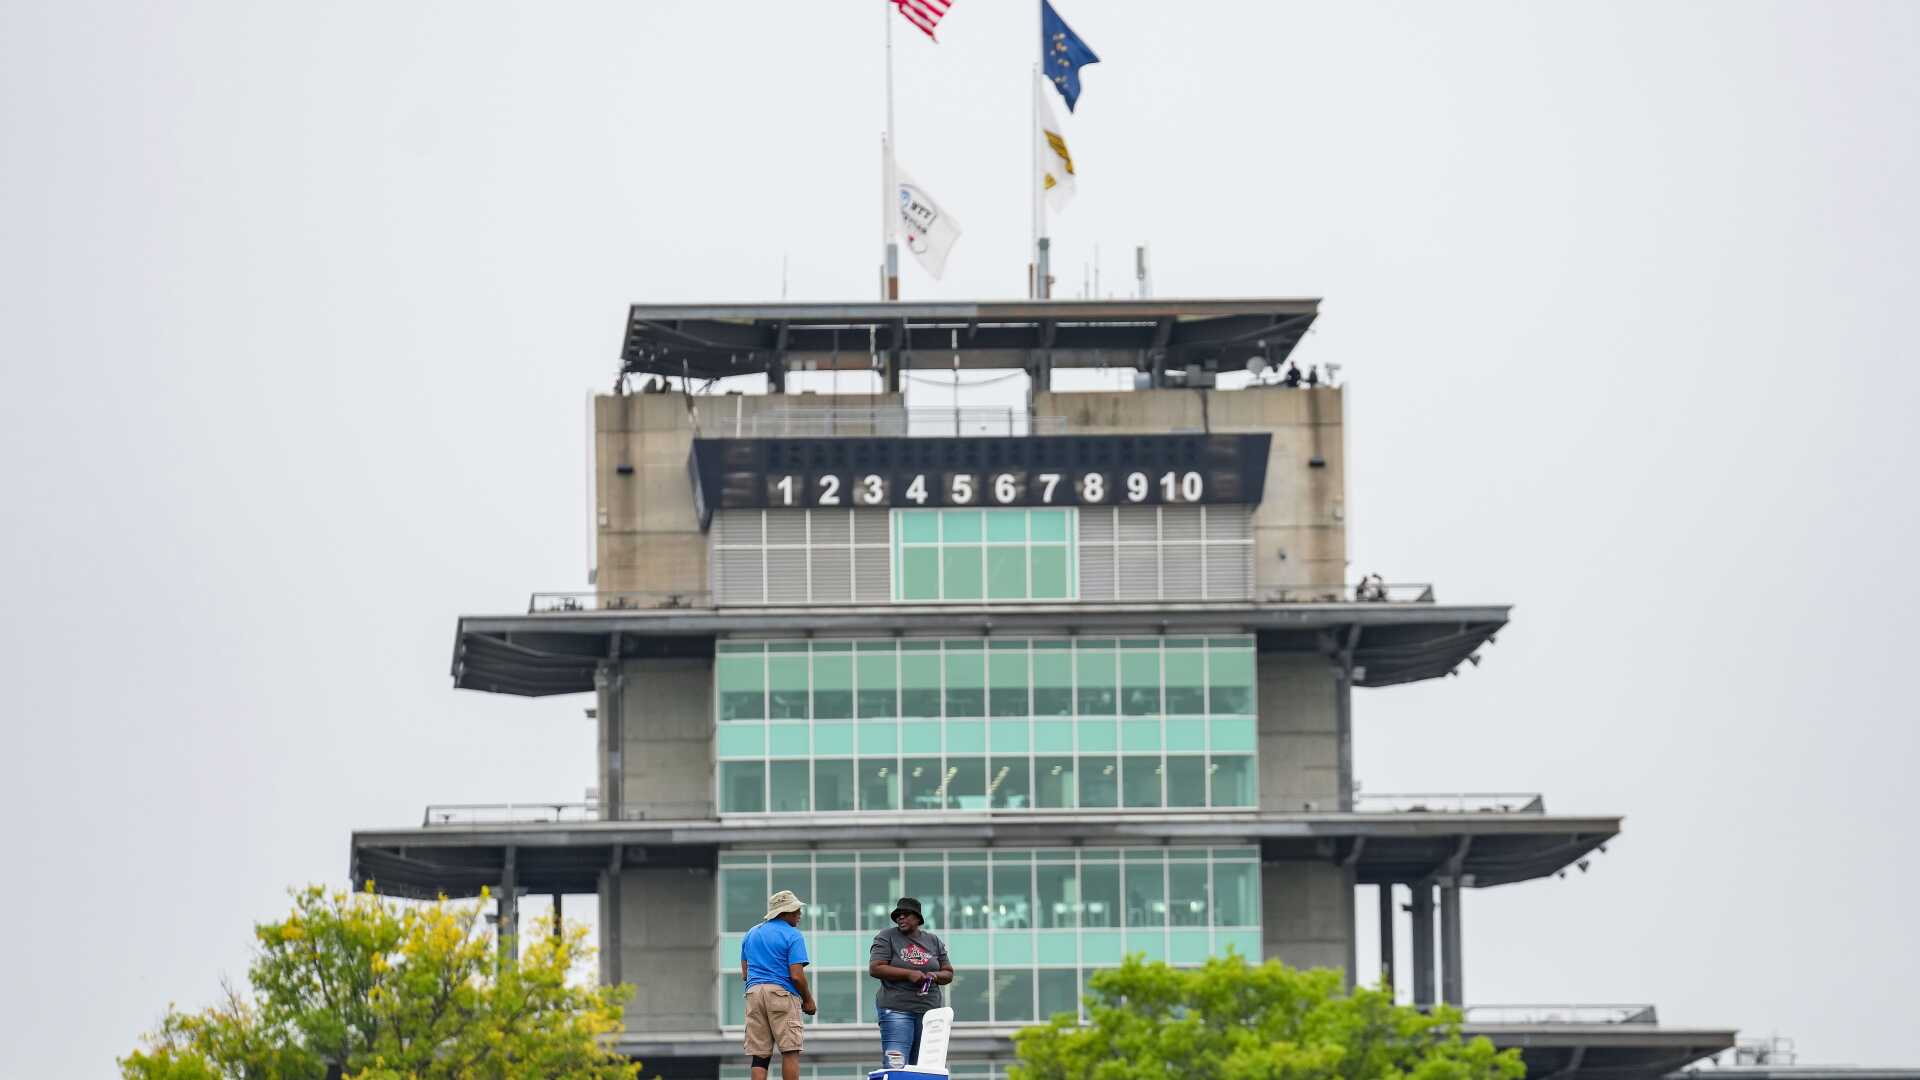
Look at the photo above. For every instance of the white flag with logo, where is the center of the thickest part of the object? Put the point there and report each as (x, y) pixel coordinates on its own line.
(1056, 164)
(927, 228)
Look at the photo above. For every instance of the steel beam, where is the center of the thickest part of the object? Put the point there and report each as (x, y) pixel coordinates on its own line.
(507, 914)
(1422, 909)
(1453, 977)
(1385, 889)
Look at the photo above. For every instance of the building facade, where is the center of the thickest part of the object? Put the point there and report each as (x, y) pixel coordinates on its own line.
(1080, 676)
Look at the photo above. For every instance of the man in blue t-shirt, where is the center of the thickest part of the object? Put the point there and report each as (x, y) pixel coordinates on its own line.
(773, 965)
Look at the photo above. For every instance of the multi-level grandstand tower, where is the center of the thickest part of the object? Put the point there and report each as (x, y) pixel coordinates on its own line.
(1080, 675)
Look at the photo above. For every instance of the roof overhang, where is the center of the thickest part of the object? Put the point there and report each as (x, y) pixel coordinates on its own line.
(710, 341)
(546, 653)
(458, 860)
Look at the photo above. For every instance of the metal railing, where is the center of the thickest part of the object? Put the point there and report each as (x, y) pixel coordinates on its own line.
(509, 813)
(1456, 802)
(1410, 592)
(551, 602)
(1561, 1014)
(802, 421)
(561, 602)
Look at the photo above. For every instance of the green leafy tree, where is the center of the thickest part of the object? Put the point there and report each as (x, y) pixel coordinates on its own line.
(355, 987)
(1232, 1020)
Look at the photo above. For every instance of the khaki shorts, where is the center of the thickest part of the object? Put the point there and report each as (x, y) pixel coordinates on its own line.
(773, 1016)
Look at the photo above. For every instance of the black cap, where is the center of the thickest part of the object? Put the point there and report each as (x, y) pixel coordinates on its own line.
(908, 904)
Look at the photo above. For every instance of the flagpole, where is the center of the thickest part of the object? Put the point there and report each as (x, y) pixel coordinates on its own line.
(1034, 178)
(890, 250)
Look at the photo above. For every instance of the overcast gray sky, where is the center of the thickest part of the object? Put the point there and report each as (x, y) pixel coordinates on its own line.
(299, 306)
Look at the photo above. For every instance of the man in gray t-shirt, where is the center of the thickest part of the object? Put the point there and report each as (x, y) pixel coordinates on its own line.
(911, 965)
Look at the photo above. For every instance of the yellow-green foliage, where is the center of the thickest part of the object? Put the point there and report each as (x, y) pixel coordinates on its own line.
(362, 988)
(1232, 1020)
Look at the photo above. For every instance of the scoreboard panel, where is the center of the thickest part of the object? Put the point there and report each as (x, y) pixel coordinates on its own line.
(981, 471)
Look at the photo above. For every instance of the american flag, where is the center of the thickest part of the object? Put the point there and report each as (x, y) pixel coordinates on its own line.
(924, 14)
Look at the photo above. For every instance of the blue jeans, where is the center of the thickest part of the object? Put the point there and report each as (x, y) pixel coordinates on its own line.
(900, 1031)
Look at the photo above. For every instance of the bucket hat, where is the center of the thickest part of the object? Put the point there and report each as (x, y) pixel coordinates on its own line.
(782, 902)
(908, 904)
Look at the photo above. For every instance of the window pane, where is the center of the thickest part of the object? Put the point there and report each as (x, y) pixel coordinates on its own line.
(1053, 782)
(1049, 569)
(967, 896)
(1140, 682)
(966, 783)
(838, 995)
(787, 783)
(1146, 894)
(968, 994)
(1049, 525)
(1059, 993)
(1187, 893)
(1232, 780)
(1141, 776)
(832, 687)
(919, 684)
(1007, 525)
(1013, 995)
(833, 784)
(919, 573)
(1056, 896)
(1098, 784)
(1012, 896)
(741, 682)
(1010, 788)
(920, 526)
(1236, 894)
(1007, 573)
(960, 572)
(1052, 682)
(1230, 674)
(879, 784)
(960, 526)
(743, 898)
(1186, 682)
(787, 687)
(733, 999)
(1007, 683)
(743, 787)
(878, 695)
(1186, 780)
(879, 890)
(966, 684)
(927, 884)
(830, 908)
(1100, 890)
(1094, 670)
(921, 784)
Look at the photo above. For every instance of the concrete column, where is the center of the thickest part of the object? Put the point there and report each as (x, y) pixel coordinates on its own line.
(559, 920)
(507, 914)
(610, 920)
(1386, 934)
(1453, 975)
(1422, 909)
(612, 697)
(1343, 704)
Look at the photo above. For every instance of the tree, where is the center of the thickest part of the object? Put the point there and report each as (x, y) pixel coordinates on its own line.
(1232, 1020)
(361, 988)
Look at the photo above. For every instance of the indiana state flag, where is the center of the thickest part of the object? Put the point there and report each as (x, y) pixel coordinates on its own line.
(1062, 54)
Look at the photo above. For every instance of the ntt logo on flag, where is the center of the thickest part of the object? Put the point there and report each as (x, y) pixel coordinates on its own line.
(918, 211)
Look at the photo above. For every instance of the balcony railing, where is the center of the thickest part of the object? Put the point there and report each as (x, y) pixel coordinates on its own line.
(455, 814)
(800, 421)
(546, 602)
(1561, 1014)
(1455, 802)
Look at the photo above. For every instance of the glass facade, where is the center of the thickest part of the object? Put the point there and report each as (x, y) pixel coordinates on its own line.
(984, 555)
(985, 724)
(1024, 928)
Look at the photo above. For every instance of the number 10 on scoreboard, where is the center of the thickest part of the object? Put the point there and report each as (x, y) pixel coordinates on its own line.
(1003, 487)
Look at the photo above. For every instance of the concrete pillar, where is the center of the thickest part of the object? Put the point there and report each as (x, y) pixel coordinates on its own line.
(611, 686)
(507, 914)
(1386, 934)
(610, 920)
(1422, 909)
(559, 920)
(1343, 705)
(1453, 975)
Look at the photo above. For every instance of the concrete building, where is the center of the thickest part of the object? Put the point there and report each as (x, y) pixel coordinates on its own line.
(1080, 675)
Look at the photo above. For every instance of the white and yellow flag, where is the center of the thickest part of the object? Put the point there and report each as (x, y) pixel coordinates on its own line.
(1056, 164)
(928, 230)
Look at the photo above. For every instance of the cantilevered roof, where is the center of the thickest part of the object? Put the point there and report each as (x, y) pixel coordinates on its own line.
(536, 655)
(1492, 849)
(706, 341)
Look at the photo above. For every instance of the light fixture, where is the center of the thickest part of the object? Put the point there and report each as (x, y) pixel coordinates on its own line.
(1316, 462)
